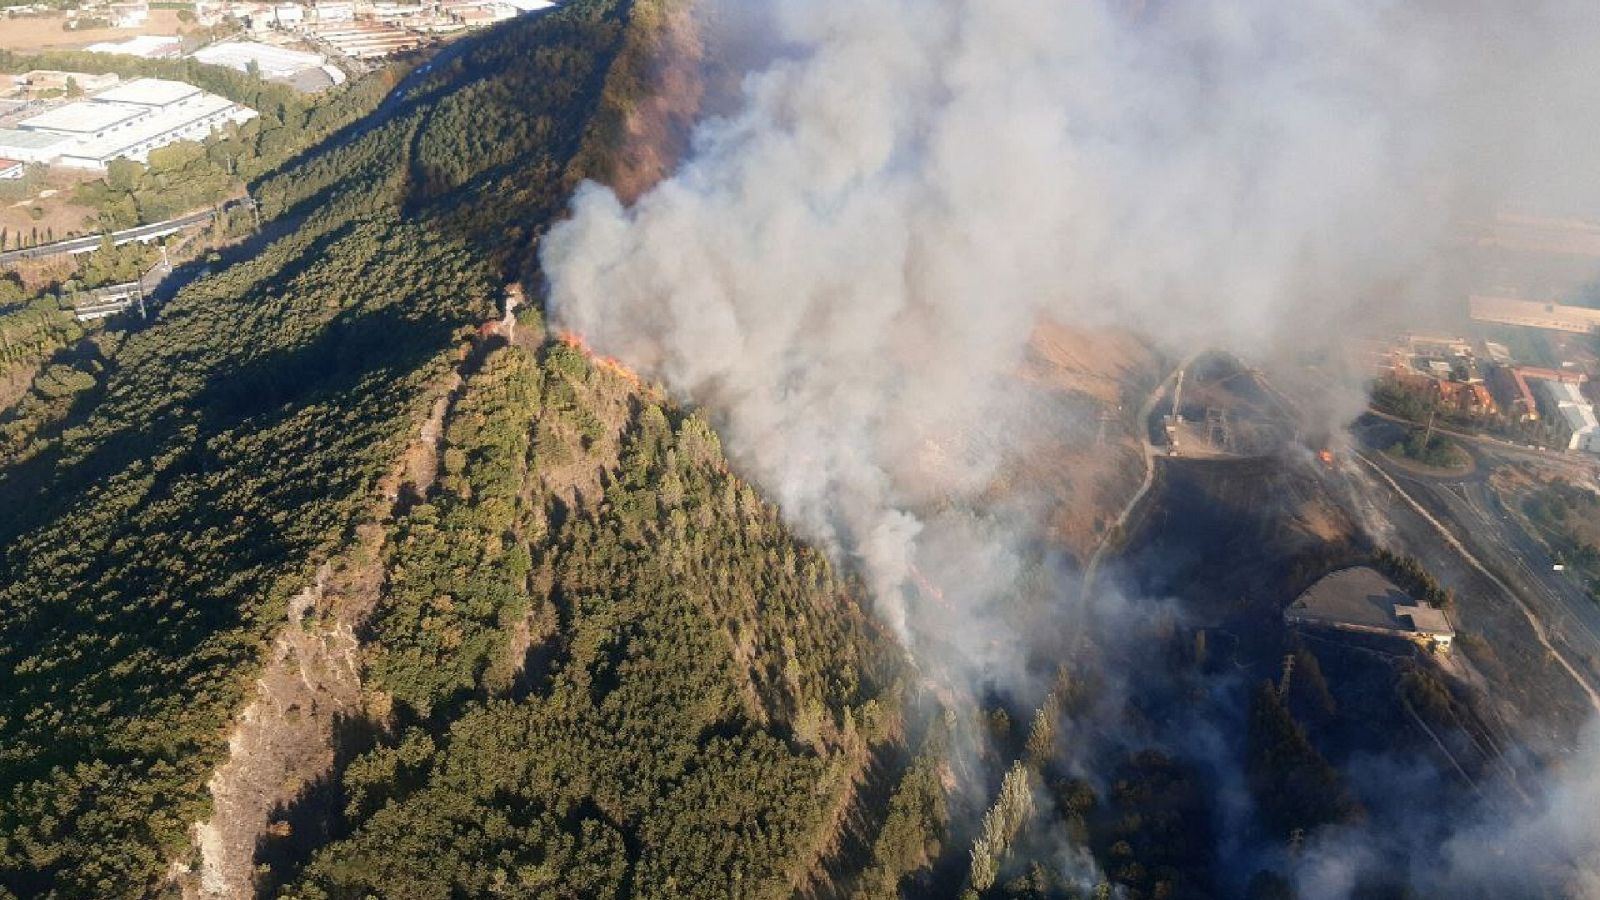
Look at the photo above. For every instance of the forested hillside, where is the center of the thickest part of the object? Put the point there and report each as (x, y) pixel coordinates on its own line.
(592, 662)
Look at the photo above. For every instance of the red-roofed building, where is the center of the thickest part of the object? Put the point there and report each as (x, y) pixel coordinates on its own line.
(11, 169)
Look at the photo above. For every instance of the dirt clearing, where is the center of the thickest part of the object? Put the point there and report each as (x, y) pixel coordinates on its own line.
(30, 33)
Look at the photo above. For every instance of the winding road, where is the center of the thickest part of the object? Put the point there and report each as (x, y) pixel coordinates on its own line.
(1491, 538)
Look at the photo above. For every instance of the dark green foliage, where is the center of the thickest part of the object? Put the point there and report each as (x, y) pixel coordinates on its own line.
(640, 757)
(909, 838)
(1408, 573)
(1293, 785)
(613, 671)
(1434, 450)
(1397, 398)
(153, 532)
(155, 542)
(461, 562)
(1153, 831)
(30, 330)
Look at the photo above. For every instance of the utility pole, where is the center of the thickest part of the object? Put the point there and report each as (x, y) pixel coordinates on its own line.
(1427, 435)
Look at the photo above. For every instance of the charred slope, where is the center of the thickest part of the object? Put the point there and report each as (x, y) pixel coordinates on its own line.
(1236, 742)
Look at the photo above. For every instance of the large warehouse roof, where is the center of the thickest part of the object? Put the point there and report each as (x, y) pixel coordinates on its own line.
(189, 122)
(144, 45)
(30, 140)
(275, 62)
(148, 92)
(83, 117)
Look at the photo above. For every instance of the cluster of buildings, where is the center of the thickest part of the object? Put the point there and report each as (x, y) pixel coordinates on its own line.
(1445, 369)
(1558, 398)
(368, 29)
(1451, 373)
(128, 120)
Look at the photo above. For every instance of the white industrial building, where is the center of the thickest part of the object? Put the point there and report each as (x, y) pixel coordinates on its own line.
(1575, 414)
(151, 93)
(33, 146)
(145, 46)
(191, 121)
(126, 121)
(274, 63)
(335, 11)
(84, 119)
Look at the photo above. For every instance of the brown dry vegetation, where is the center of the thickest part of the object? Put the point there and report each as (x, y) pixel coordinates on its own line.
(55, 212)
(1092, 476)
(1095, 363)
(27, 33)
(652, 99)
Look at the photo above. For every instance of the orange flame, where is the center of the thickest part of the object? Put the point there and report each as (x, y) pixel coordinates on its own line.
(928, 588)
(610, 363)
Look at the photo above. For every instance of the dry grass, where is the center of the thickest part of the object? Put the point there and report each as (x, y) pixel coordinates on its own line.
(1095, 363)
(48, 32)
(56, 211)
(1089, 472)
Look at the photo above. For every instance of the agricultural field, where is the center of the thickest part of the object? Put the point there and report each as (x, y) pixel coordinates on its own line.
(29, 33)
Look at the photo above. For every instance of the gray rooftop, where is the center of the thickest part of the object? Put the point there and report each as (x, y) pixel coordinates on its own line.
(83, 117)
(1354, 596)
(31, 140)
(1426, 619)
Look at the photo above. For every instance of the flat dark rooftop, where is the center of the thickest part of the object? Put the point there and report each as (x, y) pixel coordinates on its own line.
(1355, 596)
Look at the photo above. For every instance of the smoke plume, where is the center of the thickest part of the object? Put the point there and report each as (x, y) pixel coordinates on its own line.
(847, 268)
(853, 258)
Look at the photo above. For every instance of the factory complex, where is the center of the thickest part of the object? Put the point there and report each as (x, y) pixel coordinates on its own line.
(127, 121)
(1489, 385)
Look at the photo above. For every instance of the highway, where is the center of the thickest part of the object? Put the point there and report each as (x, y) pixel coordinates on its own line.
(1478, 529)
(92, 242)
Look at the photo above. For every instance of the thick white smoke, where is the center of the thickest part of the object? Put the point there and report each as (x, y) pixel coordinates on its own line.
(849, 265)
(847, 268)
(850, 262)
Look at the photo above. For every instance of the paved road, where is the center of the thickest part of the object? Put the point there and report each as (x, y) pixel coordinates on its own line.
(1470, 520)
(1577, 464)
(93, 241)
(1499, 536)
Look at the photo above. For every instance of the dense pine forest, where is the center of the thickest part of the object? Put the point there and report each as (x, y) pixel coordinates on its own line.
(594, 664)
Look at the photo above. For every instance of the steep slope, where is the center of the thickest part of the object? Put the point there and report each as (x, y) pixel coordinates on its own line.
(649, 690)
(344, 580)
(154, 537)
